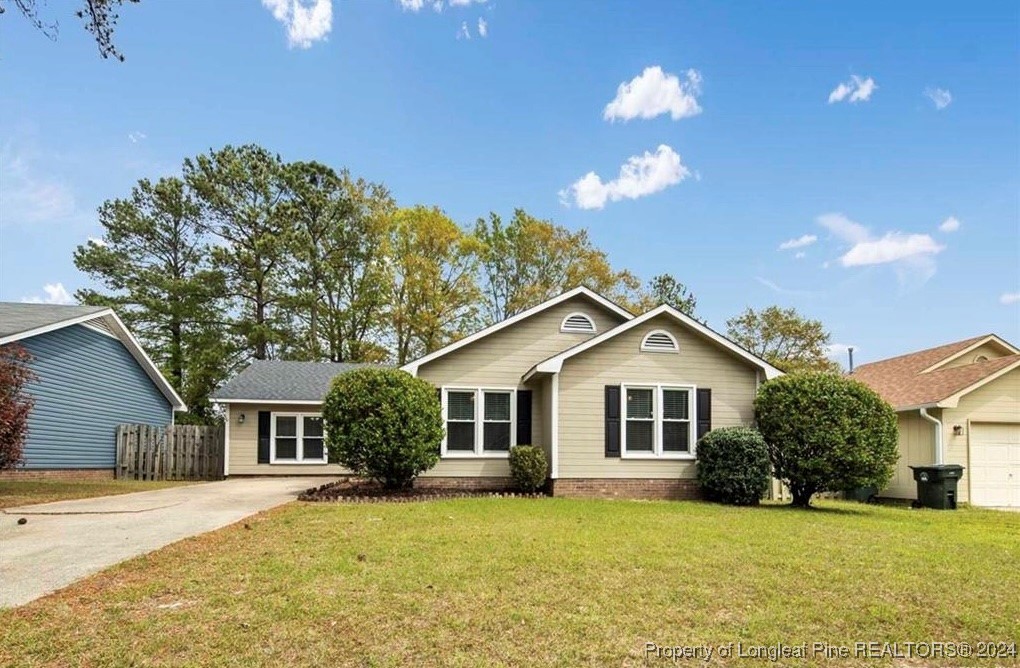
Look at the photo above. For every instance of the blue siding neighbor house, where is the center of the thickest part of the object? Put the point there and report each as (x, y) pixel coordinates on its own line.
(92, 375)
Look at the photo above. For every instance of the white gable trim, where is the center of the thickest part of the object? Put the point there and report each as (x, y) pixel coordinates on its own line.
(127, 339)
(53, 326)
(555, 363)
(974, 346)
(953, 400)
(412, 367)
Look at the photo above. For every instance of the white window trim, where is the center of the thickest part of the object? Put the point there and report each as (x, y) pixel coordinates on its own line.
(578, 314)
(657, 451)
(478, 452)
(300, 436)
(646, 349)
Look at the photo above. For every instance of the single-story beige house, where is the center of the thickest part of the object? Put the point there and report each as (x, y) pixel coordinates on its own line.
(957, 404)
(617, 401)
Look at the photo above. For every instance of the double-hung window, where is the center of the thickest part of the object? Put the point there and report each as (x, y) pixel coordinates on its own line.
(297, 438)
(657, 421)
(479, 422)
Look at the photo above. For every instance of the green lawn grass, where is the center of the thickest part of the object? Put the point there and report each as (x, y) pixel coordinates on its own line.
(475, 582)
(26, 492)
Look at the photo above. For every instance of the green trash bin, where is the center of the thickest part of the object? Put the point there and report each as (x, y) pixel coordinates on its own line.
(936, 485)
(865, 494)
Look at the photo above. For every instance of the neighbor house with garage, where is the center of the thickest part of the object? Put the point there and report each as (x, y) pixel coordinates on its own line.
(616, 400)
(957, 403)
(91, 374)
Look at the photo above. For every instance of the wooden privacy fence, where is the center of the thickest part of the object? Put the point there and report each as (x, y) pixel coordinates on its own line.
(177, 452)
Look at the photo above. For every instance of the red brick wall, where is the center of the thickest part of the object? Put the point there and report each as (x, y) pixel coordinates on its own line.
(490, 484)
(626, 488)
(57, 474)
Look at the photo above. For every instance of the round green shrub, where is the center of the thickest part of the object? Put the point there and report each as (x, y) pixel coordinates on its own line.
(733, 466)
(528, 467)
(383, 424)
(826, 433)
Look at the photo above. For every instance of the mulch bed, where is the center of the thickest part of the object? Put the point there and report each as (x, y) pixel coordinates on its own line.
(361, 491)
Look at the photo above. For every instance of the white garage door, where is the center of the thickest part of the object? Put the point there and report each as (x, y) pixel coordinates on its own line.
(995, 465)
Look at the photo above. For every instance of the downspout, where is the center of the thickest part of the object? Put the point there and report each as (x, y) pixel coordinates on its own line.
(938, 435)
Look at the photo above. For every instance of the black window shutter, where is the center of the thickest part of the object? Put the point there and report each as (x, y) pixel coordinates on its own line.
(704, 411)
(263, 437)
(612, 420)
(439, 398)
(523, 417)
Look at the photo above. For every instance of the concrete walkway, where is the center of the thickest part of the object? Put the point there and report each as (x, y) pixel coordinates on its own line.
(65, 541)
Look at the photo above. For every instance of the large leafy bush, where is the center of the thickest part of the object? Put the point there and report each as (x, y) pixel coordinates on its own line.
(733, 466)
(383, 424)
(15, 403)
(826, 432)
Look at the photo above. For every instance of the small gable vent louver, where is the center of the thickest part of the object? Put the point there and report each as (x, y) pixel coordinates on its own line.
(578, 322)
(660, 342)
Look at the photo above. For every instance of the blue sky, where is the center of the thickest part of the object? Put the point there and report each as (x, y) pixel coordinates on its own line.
(736, 144)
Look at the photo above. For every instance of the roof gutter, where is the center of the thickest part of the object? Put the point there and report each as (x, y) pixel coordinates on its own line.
(938, 435)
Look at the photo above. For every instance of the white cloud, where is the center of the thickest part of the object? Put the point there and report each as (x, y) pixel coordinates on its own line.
(950, 224)
(799, 242)
(857, 89)
(483, 28)
(136, 136)
(1008, 298)
(641, 175)
(912, 255)
(464, 32)
(307, 21)
(653, 93)
(415, 5)
(465, 3)
(800, 255)
(940, 97)
(55, 294)
(890, 247)
(844, 228)
(96, 241)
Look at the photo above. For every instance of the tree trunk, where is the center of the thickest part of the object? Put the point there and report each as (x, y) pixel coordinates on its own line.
(801, 495)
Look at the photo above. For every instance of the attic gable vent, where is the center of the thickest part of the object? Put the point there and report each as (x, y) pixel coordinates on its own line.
(578, 323)
(659, 341)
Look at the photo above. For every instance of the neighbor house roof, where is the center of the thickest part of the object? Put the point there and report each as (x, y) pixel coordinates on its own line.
(23, 320)
(279, 381)
(915, 381)
(412, 367)
(555, 363)
(19, 321)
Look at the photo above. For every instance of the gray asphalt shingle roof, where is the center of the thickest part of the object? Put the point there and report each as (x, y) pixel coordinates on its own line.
(277, 380)
(16, 318)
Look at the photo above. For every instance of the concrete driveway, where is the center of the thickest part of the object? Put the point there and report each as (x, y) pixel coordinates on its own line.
(65, 541)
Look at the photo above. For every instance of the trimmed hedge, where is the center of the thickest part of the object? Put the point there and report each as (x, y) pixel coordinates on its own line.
(383, 424)
(733, 466)
(826, 433)
(528, 467)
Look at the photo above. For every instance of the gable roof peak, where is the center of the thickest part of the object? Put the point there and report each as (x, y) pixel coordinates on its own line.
(580, 290)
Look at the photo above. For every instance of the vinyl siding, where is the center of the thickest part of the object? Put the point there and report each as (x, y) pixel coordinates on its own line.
(581, 399)
(990, 350)
(244, 442)
(88, 383)
(917, 448)
(998, 401)
(500, 359)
